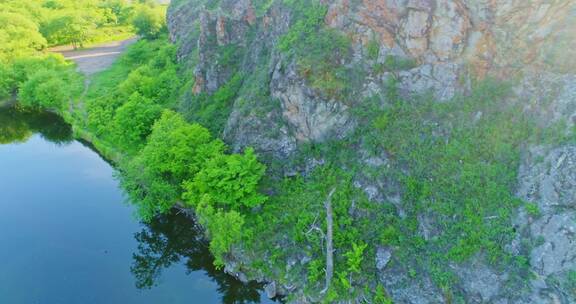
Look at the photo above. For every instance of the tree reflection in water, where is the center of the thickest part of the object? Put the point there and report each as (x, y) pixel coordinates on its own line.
(18, 125)
(172, 238)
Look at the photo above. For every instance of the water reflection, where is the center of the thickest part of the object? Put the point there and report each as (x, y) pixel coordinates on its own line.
(17, 125)
(173, 238)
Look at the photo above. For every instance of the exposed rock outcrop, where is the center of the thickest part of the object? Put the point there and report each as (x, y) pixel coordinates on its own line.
(548, 179)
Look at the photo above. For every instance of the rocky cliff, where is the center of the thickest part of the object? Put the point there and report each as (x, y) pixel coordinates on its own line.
(291, 97)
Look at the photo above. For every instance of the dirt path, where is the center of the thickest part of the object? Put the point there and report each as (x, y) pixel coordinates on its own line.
(95, 59)
(91, 61)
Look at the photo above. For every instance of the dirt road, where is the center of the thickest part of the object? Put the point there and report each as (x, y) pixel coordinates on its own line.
(95, 59)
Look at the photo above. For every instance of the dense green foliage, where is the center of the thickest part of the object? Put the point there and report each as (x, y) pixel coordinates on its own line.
(44, 89)
(178, 153)
(28, 27)
(124, 109)
(149, 22)
(41, 23)
(145, 74)
(231, 180)
(449, 163)
(134, 119)
(43, 81)
(464, 175)
(213, 110)
(225, 228)
(18, 35)
(175, 152)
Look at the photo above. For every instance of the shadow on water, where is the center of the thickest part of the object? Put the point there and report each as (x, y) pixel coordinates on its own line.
(174, 238)
(17, 125)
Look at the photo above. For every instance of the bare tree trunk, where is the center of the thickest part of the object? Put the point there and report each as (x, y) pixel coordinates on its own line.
(329, 242)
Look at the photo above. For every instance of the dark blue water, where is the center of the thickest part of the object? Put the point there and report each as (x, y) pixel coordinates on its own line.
(68, 237)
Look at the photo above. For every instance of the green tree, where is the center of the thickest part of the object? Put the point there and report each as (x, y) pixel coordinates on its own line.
(148, 190)
(175, 151)
(230, 180)
(225, 228)
(119, 9)
(18, 36)
(45, 89)
(73, 28)
(149, 22)
(133, 121)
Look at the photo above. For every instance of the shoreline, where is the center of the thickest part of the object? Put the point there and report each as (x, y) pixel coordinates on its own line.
(6, 103)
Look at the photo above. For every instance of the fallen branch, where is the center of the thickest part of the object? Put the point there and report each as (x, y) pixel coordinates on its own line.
(329, 241)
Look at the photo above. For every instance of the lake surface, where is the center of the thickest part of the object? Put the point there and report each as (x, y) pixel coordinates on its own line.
(68, 237)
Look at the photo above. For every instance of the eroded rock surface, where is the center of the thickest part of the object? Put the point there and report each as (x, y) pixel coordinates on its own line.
(548, 179)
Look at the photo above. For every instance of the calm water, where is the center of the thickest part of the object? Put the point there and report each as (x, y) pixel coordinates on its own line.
(67, 237)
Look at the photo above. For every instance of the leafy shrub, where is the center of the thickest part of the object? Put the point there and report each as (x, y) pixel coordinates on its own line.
(224, 228)
(147, 69)
(18, 35)
(315, 271)
(312, 18)
(149, 22)
(355, 257)
(230, 180)
(101, 114)
(532, 209)
(75, 28)
(177, 150)
(373, 49)
(147, 189)
(133, 121)
(380, 296)
(460, 172)
(155, 79)
(23, 68)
